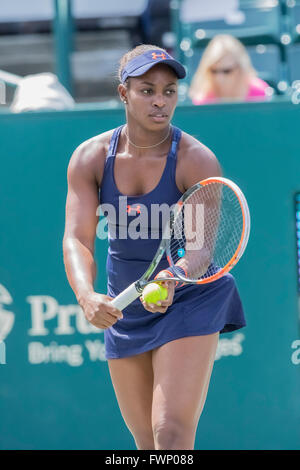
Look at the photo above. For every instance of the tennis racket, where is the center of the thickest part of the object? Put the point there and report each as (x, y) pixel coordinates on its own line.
(206, 235)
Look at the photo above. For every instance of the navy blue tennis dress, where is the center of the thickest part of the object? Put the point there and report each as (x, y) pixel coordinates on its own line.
(196, 309)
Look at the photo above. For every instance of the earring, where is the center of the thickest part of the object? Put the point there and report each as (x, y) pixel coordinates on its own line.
(125, 101)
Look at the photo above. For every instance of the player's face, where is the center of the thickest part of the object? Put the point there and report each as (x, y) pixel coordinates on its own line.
(152, 97)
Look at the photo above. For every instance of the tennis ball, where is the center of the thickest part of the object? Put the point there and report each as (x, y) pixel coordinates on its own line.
(154, 293)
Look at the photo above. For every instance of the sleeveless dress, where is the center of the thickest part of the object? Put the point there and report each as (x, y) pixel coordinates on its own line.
(196, 310)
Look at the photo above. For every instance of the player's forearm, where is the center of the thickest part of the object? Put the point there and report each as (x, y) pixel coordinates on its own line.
(80, 267)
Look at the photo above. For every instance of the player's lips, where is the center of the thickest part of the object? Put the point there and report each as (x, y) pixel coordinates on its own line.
(158, 117)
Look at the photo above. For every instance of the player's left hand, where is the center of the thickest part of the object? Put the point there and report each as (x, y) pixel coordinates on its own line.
(162, 306)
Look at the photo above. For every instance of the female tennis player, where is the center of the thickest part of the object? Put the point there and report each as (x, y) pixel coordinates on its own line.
(160, 357)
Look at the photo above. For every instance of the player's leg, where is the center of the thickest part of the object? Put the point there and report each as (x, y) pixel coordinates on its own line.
(182, 370)
(132, 379)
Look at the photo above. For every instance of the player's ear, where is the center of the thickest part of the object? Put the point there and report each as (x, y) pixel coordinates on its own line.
(122, 93)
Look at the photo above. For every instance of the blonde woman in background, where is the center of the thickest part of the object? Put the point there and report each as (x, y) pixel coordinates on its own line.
(225, 73)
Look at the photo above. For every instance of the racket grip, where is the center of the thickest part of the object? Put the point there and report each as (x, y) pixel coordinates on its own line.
(126, 297)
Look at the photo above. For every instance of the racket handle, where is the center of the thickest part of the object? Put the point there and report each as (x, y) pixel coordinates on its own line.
(126, 297)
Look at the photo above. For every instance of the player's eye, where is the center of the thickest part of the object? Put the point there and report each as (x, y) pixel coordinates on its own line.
(147, 91)
(170, 91)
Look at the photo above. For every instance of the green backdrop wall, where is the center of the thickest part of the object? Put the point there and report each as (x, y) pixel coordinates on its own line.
(55, 389)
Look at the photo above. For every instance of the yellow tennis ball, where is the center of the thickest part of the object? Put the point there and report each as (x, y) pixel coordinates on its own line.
(154, 293)
(163, 292)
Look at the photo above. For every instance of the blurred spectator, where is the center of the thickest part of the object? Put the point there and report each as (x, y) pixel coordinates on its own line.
(41, 91)
(225, 73)
(156, 21)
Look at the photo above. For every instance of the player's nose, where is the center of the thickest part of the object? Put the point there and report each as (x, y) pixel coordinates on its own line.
(159, 101)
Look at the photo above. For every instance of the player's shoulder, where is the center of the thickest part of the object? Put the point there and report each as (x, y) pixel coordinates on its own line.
(196, 161)
(191, 149)
(89, 157)
(93, 148)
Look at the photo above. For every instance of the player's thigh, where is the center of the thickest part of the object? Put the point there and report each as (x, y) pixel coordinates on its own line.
(132, 379)
(182, 370)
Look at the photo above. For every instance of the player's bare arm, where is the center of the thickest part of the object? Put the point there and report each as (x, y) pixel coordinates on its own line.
(84, 175)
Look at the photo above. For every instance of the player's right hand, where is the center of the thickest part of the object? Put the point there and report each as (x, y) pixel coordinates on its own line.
(99, 311)
(162, 306)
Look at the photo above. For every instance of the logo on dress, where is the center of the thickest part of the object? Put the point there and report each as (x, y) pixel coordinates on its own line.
(133, 209)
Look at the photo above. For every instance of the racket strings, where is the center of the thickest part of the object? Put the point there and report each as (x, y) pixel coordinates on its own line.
(207, 231)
